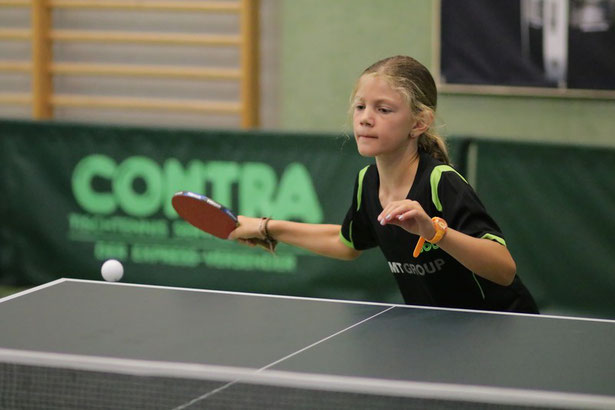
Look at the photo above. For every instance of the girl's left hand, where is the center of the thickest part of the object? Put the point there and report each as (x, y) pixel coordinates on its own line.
(408, 215)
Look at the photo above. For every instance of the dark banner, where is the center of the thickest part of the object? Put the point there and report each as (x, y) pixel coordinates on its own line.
(75, 195)
(540, 43)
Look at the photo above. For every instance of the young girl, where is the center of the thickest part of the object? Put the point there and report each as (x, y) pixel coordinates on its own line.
(440, 243)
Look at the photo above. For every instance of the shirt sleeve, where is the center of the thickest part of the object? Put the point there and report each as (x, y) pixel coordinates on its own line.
(356, 231)
(463, 210)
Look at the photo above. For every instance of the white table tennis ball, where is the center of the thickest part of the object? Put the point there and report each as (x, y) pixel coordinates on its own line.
(112, 270)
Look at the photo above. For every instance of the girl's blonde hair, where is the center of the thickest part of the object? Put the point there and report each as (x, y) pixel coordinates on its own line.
(414, 81)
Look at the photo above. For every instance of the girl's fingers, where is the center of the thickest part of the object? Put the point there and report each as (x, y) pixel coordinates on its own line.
(407, 215)
(396, 209)
(387, 213)
(249, 242)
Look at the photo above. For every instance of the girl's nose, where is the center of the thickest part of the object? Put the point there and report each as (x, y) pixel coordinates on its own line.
(366, 118)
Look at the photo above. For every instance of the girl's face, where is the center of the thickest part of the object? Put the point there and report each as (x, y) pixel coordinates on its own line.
(382, 119)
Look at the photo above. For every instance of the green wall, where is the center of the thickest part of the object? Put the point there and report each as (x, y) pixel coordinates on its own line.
(326, 44)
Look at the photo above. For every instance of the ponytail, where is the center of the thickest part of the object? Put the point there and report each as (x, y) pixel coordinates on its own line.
(430, 141)
(434, 145)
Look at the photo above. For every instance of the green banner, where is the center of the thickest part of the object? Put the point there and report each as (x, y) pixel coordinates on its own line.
(76, 195)
(554, 205)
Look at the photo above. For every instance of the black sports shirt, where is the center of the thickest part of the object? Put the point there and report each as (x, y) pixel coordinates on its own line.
(434, 278)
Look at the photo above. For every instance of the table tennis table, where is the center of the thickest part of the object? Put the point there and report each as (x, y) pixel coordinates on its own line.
(89, 344)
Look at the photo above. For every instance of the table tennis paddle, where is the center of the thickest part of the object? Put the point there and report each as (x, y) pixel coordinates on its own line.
(204, 213)
(209, 216)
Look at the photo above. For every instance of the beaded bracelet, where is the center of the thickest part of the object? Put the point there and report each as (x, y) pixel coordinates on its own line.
(264, 232)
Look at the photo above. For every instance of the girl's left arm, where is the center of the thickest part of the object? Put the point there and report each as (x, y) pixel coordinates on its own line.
(484, 257)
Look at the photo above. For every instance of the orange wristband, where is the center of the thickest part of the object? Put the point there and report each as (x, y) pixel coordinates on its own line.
(440, 226)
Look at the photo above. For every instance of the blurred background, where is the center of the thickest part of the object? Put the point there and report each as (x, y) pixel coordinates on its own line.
(107, 107)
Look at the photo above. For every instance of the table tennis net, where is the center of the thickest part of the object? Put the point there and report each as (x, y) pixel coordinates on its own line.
(34, 386)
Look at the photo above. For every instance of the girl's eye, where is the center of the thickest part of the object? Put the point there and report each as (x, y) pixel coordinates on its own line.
(359, 107)
(384, 110)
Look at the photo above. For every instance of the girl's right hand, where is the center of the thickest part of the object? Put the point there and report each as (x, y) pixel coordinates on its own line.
(250, 232)
(248, 228)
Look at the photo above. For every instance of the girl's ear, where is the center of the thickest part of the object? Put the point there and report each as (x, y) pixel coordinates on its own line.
(423, 121)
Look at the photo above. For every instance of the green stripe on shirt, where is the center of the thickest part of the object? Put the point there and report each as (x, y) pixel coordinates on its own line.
(345, 241)
(350, 243)
(434, 179)
(360, 187)
(494, 238)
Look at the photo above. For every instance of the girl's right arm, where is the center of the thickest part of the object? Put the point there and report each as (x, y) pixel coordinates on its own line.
(322, 239)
